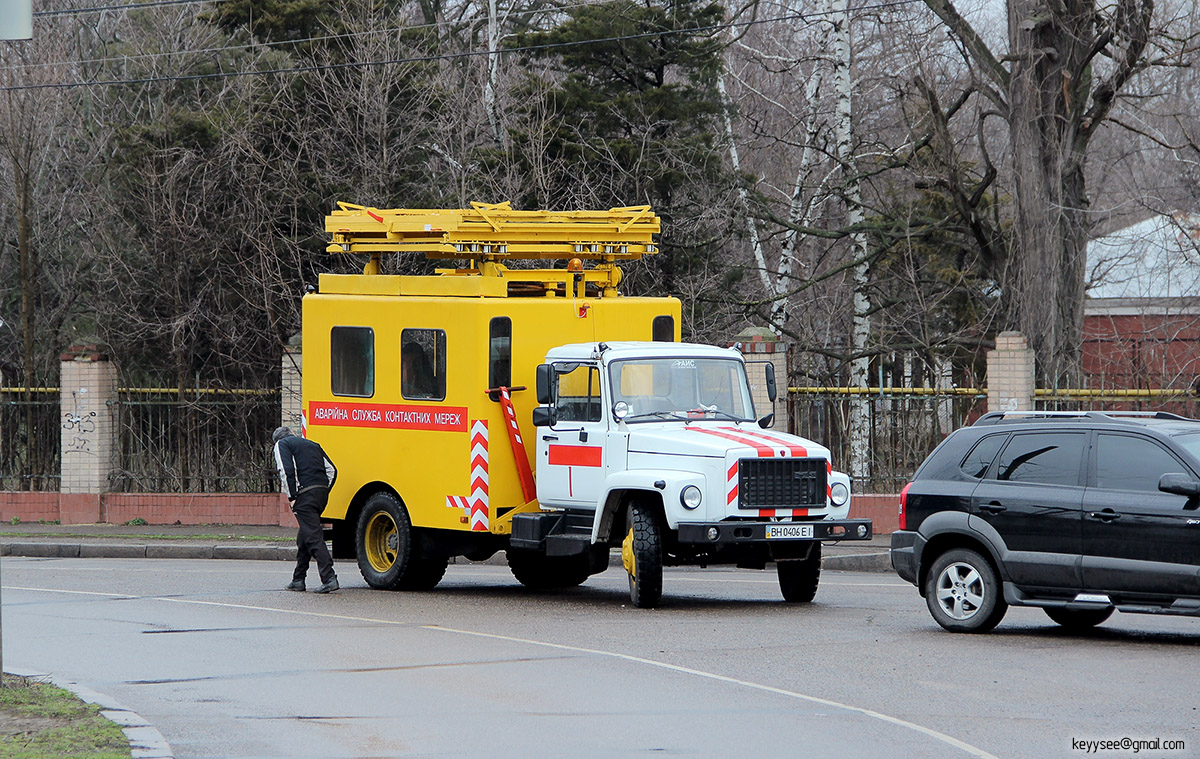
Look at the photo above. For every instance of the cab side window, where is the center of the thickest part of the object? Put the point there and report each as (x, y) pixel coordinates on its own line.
(352, 361)
(1051, 458)
(1125, 462)
(423, 364)
(578, 397)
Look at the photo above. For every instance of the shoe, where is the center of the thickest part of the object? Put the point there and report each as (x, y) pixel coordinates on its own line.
(296, 585)
(328, 587)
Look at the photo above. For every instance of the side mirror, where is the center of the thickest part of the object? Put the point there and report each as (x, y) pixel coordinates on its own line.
(770, 367)
(767, 421)
(544, 416)
(1181, 484)
(545, 381)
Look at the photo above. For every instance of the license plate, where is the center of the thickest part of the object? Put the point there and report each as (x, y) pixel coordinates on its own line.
(786, 531)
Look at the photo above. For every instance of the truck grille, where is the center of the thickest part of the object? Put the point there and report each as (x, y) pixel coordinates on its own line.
(789, 483)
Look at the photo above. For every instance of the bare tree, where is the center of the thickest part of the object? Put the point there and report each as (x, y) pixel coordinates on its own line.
(1066, 64)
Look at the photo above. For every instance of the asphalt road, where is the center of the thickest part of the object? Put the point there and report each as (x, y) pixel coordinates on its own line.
(225, 664)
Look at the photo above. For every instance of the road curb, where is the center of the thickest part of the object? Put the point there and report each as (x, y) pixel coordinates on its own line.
(145, 742)
(863, 562)
(857, 562)
(43, 550)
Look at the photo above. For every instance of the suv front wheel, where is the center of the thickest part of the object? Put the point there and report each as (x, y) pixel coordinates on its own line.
(963, 592)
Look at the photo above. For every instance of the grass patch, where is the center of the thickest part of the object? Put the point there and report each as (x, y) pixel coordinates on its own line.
(40, 720)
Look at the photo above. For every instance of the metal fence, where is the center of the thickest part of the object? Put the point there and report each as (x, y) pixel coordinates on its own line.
(1182, 402)
(905, 423)
(207, 441)
(30, 428)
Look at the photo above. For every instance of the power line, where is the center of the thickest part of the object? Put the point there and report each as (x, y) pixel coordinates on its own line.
(132, 6)
(445, 56)
(270, 45)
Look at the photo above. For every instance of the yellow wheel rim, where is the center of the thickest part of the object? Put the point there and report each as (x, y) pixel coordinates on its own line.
(381, 541)
(627, 554)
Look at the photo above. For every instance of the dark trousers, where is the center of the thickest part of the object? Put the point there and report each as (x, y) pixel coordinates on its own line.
(310, 539)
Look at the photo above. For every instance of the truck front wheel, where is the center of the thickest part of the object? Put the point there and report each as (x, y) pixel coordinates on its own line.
(384, 542)
(642, 555)
(798, 578)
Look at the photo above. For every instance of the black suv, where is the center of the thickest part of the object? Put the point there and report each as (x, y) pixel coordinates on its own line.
(1078, 513)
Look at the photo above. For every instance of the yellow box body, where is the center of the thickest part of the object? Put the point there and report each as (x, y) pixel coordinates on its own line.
(422, 450)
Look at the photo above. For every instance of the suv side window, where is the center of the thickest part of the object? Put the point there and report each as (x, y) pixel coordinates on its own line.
(1125, 462)
(1042, 457)
(980, 458)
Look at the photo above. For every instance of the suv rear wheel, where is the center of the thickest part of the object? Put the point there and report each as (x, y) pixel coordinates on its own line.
(963, 592)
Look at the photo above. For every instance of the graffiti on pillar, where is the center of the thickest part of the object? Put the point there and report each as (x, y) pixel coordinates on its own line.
(79, 424)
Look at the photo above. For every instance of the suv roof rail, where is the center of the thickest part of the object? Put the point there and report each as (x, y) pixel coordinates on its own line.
(996, 417)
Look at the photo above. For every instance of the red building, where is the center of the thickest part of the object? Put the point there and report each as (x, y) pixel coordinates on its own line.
(1141, 324)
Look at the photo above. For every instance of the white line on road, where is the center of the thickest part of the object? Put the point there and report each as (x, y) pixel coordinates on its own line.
(942, 737)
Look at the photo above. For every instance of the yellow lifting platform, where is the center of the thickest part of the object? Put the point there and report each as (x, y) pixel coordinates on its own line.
(486, 234)
(491, 232)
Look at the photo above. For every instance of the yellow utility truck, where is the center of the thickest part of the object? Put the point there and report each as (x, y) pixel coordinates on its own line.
(539, 412)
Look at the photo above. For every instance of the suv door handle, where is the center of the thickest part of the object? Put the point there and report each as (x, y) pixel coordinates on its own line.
(1108, 515)
(995, 507)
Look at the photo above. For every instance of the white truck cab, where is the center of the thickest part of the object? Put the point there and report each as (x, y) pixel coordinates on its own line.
(655, 447)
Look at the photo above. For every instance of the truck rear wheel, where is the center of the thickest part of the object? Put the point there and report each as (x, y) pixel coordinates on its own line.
(799, 578)
(642, 555)
(537, 571)
(384, 542)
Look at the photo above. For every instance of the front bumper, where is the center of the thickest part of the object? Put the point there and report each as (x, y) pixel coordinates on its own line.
(735, 533)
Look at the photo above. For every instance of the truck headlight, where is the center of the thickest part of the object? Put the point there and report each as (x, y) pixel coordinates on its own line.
(839, 494)
(691, 497)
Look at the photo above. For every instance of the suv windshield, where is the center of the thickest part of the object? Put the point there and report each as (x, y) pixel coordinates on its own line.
(1190, 442)
(657, 389)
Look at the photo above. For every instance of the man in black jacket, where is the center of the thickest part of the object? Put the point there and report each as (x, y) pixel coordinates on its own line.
(307, 475)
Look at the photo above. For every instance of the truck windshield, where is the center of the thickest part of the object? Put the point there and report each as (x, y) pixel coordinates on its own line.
(657, 389)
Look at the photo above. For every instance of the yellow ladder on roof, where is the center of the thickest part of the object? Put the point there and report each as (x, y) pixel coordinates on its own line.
(492, 232)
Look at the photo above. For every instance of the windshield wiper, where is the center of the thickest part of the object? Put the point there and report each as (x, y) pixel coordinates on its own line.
(726, 415)
(658, 415)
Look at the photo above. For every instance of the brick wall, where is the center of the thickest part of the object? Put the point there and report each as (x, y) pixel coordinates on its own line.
(882, 510)
(155, 508)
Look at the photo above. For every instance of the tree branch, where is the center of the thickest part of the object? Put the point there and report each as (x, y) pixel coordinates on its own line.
(978, 49)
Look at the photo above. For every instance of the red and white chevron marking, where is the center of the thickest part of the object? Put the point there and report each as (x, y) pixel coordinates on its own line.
(479, 475)
(731, 484)
(475, 506)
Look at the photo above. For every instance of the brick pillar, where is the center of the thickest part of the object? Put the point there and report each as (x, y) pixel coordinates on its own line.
(89, 432)
(290, 388)
(1010, 374)
(757, 345)
(290, 407)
